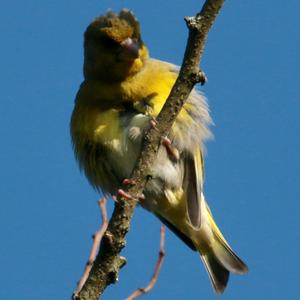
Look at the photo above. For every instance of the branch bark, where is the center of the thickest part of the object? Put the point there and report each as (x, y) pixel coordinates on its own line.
(108, 261)
(95, 247)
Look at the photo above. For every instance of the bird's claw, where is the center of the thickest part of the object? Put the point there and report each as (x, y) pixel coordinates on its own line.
(172, 151)
(153, 122)
(128, 181)
(125, 195)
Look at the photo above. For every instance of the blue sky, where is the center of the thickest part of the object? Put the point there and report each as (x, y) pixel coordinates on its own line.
(49, 211)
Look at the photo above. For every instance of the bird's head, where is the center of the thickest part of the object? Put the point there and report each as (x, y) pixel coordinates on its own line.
(113, 48)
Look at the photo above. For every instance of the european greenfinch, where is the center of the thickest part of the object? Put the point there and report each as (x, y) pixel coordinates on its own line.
(123, 90)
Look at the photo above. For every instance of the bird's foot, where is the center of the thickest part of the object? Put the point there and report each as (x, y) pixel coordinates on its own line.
(153, 122)
(172, 151)
(128, 181)
(127, 196)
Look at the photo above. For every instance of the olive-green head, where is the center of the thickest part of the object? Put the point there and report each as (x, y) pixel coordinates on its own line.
(113, 48)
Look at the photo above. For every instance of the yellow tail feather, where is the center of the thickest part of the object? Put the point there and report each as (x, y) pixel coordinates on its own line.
(223, 252)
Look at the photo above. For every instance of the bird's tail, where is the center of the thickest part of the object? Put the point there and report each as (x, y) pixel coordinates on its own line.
(220, 260)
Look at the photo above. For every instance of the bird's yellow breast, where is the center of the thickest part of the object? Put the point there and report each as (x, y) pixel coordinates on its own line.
(98, 104)
(152, 84)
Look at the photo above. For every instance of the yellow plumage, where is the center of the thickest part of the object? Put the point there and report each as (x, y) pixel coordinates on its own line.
(123, 89)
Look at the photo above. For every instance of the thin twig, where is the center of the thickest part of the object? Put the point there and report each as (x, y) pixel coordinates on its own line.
(108, 262)
(95, 247)
(161, 255)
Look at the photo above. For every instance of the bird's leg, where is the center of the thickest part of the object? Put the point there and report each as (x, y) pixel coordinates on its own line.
(172, 151)
(153, 122)
(128, 181)
(127, 196)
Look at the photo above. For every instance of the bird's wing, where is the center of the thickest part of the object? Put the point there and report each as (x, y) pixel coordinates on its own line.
(192, 186)
(189, 209)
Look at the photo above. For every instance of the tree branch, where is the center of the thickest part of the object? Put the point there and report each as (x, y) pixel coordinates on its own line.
(95, 247)
(108, 261)
(141, 291)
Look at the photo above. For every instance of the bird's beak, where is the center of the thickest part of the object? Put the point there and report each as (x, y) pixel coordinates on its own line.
(131, 47)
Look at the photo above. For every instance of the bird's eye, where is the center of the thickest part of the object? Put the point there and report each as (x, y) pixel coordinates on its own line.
(108, 42)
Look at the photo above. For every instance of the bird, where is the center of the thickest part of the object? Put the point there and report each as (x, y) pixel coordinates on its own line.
(122, 91)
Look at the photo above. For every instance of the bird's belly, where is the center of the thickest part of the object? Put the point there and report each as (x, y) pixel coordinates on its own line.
(121, 144)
